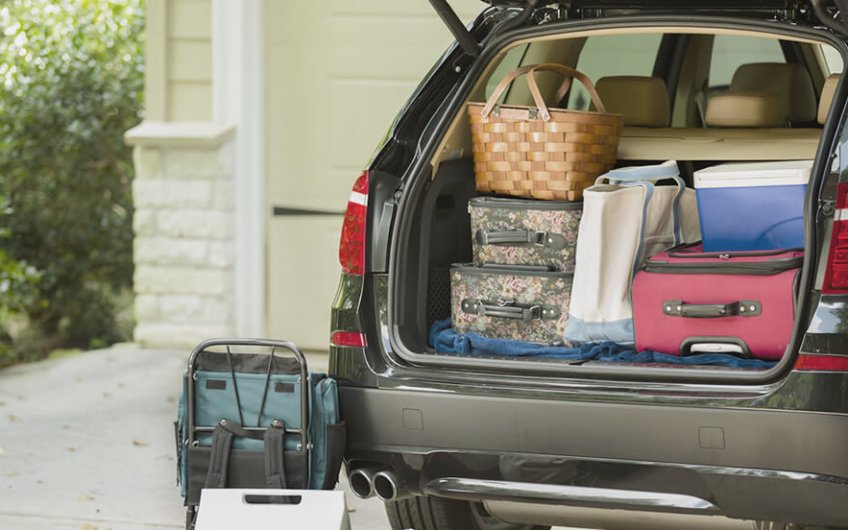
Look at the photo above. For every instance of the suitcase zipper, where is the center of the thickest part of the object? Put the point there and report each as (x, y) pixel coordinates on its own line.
(676, 253)
(762, 268)
(523, 204)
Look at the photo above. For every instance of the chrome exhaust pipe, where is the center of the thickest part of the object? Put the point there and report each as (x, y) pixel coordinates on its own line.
(362, 481)
(388, 487)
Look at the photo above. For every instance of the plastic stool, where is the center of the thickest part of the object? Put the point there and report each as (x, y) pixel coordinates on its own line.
(267, 509)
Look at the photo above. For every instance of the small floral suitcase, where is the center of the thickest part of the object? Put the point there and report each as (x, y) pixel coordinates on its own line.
(524, 232)
(528, 303)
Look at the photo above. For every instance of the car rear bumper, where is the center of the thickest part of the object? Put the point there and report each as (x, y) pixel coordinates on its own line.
(748, 463)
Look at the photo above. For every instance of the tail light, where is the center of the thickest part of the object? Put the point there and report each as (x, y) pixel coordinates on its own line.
(836, 273)
(821, 363)
(352, 244)
(835, 282)
(348, 339)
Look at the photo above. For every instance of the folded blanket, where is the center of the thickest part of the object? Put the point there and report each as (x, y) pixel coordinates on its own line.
(445, 340)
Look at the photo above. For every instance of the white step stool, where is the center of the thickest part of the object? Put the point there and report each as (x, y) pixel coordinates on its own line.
(261, 509)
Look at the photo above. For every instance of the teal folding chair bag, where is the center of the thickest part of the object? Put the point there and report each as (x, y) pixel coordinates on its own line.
(251, 415)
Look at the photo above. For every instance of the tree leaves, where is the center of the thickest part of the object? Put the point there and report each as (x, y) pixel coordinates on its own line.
(73, 81)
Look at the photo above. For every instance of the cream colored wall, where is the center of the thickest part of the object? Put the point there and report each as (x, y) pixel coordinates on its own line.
(184, 249)
(336, 73)
(179, 60)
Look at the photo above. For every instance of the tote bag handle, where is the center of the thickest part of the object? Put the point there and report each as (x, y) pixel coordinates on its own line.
(668, 170)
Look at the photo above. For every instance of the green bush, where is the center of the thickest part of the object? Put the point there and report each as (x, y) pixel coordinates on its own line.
(73, 79)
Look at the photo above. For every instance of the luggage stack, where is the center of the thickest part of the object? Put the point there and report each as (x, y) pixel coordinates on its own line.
(519, 285)
(662, 268)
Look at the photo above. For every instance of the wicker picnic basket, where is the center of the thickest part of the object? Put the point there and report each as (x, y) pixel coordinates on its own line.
(542, 152)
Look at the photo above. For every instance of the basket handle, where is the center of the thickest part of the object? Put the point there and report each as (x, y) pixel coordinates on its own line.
(509, 78)
(533, 86)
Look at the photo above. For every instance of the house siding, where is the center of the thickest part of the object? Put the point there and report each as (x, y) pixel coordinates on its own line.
(178, 80)
(336, 74)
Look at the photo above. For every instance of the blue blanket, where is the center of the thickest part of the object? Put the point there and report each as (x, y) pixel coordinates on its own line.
(445, 340)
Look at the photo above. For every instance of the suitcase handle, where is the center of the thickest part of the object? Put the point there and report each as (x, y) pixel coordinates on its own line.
(735, 346)
(742, 308)
(509, 309)
(519, 237)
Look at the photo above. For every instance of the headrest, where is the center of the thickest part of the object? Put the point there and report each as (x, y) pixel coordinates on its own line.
(791, 82)
(642, 100)
(826, 99)
(745, 109)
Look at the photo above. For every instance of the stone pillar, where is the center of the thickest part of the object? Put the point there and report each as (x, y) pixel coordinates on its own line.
(184, 239)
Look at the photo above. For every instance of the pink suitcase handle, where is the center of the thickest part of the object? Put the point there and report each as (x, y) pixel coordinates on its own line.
(742, 308)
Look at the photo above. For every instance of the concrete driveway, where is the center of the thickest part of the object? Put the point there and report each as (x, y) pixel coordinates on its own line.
(87, 442)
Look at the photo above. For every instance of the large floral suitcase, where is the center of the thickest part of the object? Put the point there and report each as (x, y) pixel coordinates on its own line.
(524, 232)
(690, 301)
(528, 303)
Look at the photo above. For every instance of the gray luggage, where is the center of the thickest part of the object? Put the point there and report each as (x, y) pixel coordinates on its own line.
(524, 232)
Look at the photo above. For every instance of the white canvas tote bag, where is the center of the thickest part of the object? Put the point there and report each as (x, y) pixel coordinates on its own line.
(626, 218)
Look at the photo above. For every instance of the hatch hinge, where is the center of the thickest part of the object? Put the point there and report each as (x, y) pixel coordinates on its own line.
(834, 16)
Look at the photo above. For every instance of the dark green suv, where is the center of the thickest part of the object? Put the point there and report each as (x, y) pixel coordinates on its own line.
(462, 441)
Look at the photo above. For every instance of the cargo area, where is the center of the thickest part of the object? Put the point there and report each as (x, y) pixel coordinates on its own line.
(706, 100)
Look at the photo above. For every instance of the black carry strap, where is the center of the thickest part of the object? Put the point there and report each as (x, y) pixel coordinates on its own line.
(219, 460)
(275, 464)
(222, 443)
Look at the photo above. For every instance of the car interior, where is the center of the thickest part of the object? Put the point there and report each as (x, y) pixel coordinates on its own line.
(700, 97)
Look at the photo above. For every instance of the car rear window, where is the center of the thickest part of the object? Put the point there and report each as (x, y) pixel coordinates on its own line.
(607, 55)
(732, 51)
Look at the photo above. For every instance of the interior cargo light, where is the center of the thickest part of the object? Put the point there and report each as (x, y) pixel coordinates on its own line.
(836, 273)
(348, 339)
(352, 244)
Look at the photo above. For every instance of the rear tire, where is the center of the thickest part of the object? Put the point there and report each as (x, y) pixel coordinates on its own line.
(435, 513)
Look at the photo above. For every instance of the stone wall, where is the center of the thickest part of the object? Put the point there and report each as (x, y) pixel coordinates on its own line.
(184, 251)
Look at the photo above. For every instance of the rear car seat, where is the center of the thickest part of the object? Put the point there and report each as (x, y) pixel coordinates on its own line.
(744, 124)
(826, 99)
(746, 109)
(642, 100)
(791, 83)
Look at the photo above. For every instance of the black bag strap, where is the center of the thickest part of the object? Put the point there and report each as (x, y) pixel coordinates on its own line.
(275, 465)
(219, 460)
(222, 443)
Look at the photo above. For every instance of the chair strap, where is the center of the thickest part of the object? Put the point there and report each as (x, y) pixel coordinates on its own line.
(219, 460)
(275, 464)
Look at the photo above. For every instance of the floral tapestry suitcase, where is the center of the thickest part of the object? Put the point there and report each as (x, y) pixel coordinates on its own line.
(528, 303)
(524, 232)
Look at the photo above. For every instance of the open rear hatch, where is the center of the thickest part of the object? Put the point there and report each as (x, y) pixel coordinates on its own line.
(433, 231)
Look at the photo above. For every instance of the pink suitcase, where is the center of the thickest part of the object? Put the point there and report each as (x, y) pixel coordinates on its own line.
(688, 301)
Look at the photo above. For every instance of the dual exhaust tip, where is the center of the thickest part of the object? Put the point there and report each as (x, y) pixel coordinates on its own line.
(366, 482)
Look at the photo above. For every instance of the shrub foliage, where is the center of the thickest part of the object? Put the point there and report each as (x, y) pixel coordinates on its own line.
(72, 75)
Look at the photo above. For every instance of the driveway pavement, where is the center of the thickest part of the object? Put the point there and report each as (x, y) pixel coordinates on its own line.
(87, 442)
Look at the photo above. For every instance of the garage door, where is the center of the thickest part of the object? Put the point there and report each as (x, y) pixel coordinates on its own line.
(335, 75)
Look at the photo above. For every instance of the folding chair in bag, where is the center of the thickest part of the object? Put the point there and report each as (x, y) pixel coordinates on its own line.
(251, 418)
